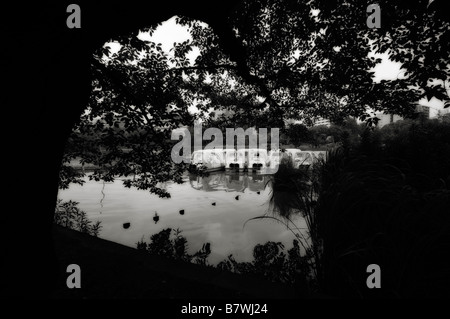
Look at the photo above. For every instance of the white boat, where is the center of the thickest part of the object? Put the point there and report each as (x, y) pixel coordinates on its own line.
(229, 155)
(298, 157)
(273, 160)
(306, 158)
(208, 160)
(239, 162)
(319, 155)
(293, 155)
(257, 159)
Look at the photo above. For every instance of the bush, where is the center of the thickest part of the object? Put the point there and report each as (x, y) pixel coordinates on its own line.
(272, 263)
(68, 215)
(388, 205)
(174, 246)
(424, 145)
(270, 260)
(347, 134)
(383, 200)
(297, 134)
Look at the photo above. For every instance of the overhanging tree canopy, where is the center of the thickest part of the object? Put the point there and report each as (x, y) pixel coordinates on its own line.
(271, 61)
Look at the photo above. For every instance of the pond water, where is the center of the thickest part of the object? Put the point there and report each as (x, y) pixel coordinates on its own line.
(222, 224)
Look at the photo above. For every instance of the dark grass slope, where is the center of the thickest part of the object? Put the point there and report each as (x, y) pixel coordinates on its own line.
(111, 270)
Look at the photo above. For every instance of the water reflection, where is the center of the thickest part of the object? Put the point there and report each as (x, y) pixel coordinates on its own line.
(237, 182)
(211, 208)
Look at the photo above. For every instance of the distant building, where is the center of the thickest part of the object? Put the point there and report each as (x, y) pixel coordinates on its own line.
(426, 111)
(432, 112)
(321, 121)
(387, 119)
(423, 110)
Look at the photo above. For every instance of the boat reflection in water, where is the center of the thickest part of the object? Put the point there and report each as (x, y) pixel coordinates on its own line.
(214, 209)
(237, 182)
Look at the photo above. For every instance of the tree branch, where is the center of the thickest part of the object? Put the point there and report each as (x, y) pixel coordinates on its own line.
(208, 67)
(236, 51)
(121, 87)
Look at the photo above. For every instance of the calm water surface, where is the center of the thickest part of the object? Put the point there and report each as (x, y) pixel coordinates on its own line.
(221, 225)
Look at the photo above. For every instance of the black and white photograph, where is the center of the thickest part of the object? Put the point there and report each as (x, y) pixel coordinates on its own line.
(223, 156)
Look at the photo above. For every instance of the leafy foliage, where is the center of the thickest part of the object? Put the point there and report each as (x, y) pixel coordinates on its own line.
(171, 244)
(424, 145)
(311, 58)
(381, 200)
(67, 214)
(134, 105)
(297, 133)
(69, 175)
(387, 202)
(273, 61)
(272, 263)
(296, 191)
(270, 260)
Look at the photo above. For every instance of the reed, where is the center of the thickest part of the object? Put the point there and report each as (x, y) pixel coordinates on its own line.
(67, 214)
(384, 201)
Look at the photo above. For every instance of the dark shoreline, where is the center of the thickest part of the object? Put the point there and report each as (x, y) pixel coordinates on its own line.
(110, 270)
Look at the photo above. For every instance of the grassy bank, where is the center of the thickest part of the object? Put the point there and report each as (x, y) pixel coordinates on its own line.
(110, 270)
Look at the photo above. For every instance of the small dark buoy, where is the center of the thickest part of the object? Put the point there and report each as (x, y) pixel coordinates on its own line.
(237, 197)
(182, 212)
(258, 192)
(214, 204)
(126, 225)
(156, 217)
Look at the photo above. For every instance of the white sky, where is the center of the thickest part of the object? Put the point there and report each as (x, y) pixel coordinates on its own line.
(169, 32)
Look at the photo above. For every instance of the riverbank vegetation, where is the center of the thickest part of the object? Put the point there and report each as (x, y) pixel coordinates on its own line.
(383, 201)
(69, 215)
(382, 198)
(375, 202)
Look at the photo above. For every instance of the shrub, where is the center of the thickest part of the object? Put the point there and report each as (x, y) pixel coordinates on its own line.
(68, 215)
(171, 244)
(387, 205)
(272, 263)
